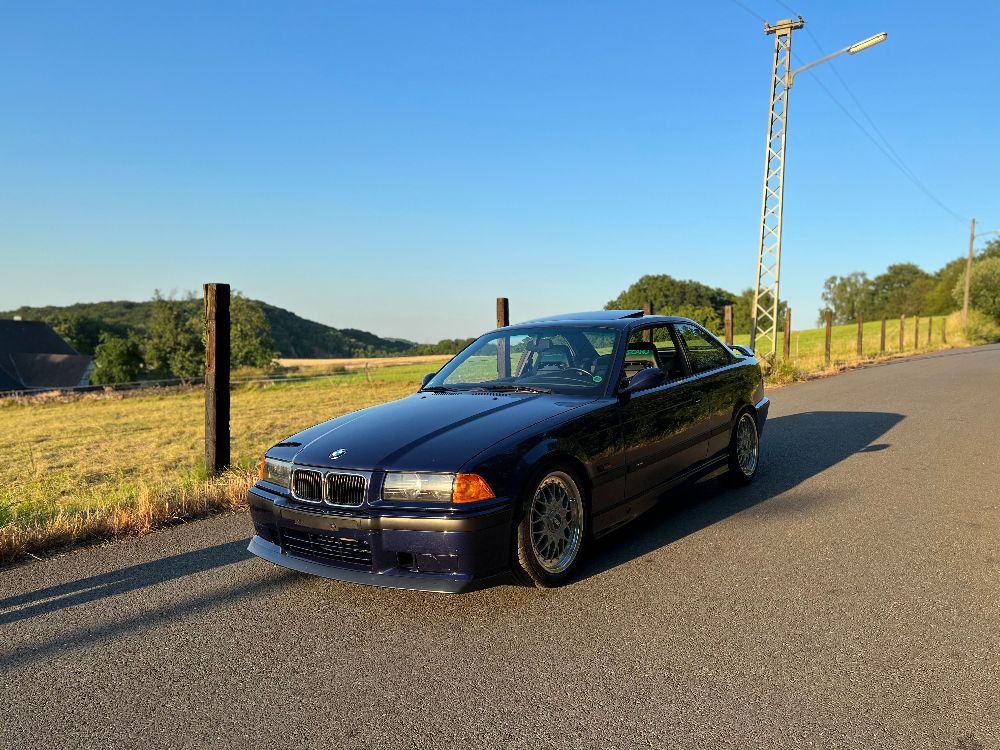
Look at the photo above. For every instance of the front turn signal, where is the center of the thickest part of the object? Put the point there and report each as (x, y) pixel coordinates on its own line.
(260, 474)
(469, 488)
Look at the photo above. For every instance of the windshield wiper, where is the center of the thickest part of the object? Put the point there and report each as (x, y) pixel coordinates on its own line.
(514, 389)
(436, 389)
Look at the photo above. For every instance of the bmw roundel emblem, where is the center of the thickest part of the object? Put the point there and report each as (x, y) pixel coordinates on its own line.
(338, 453)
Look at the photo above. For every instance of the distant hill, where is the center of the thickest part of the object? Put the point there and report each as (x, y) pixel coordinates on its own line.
(294, 336)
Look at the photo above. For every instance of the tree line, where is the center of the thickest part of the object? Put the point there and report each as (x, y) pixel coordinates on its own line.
(906, 289)
(171, 345)
(690, 299)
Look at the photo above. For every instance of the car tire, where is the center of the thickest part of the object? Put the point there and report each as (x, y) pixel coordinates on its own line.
(744, 448)
(552, 529)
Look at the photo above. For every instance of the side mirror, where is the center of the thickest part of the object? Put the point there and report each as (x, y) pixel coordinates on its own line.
(643, 380)
(427, 379)
(746, 351)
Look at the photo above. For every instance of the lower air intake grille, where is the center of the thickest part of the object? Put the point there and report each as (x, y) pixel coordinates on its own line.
(350, 551)
(345, 489)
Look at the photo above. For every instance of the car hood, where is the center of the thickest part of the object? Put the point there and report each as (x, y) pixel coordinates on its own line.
(422, 432)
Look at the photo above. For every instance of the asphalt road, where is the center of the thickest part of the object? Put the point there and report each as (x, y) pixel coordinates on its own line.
(849, 598)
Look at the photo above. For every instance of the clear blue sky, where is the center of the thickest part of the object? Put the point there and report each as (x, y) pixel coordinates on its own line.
(395, 166)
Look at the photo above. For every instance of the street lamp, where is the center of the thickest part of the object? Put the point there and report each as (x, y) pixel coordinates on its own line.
(968, 269)
(765, 298)
(852, 50)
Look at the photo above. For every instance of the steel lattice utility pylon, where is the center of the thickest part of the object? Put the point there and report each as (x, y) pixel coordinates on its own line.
(765, 298)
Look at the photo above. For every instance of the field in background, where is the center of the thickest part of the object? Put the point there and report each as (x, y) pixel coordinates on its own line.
(105, 464)
(309, 366)
(807, 350)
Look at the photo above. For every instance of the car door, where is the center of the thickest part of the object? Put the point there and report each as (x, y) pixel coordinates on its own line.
(713, 367)
(661, 425)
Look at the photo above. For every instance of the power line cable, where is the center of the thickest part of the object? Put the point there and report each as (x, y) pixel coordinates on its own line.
(749, 10)
(887, 150)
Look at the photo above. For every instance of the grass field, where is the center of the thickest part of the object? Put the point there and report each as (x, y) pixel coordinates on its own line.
(807, 347)
(106, 464)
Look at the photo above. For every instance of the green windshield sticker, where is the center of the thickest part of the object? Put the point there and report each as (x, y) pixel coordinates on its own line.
(638, 351)
(598, 378)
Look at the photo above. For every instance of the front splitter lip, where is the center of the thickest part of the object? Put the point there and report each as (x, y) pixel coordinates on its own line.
(441, 584)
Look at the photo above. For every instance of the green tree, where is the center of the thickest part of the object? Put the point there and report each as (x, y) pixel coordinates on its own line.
(175, 342)
(117, 359)
(939, 300)
(847, 297)
(250, 338)
(743, 312)
(668, 293)
(81, 332)
(984, 287)
(992, 250)
(702, 315)
(901, 290)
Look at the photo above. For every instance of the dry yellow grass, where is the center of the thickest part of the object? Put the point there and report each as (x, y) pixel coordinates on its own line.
(98, 465)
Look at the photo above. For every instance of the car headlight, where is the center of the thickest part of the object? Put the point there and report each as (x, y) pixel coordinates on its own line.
(435, 488)
(276, 472)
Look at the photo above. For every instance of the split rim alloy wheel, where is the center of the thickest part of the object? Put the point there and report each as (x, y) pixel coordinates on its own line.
(552, 532)
(744, 450)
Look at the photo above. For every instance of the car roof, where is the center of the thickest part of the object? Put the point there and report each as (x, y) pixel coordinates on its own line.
(617, 318)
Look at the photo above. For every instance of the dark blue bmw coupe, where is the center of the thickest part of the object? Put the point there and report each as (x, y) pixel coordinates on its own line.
(529, 444)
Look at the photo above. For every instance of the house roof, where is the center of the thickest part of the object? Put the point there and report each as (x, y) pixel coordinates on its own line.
(33, 355)
(31, 337)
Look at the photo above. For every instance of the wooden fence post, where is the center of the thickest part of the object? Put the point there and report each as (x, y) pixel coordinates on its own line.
(503, 320)
(916, 331)
(881, 343)
(902, 340)
(861, 334)
(217, 351)
(930, 329)
(788, 332)
(503, 312)
(829, 332)
(728, 314)
(944, 332)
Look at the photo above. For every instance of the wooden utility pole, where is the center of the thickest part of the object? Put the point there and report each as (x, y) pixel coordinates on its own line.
(829, 332)
(881, 342)
(647, 309)
(503, 355)
(217, 377)
(902, 339)
(788, 333)
(861, 334)
(968, 275)
(728, 314)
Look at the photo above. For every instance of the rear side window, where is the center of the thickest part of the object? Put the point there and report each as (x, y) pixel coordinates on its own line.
(704, 352)
(656, 347)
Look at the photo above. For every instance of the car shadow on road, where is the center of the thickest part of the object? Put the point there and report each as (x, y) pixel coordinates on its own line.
(793, 449)
(115, 582)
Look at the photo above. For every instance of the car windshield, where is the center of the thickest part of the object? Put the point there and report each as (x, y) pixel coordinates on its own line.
(552, 359)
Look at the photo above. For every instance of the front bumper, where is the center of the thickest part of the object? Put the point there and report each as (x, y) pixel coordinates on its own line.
(425, 552)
